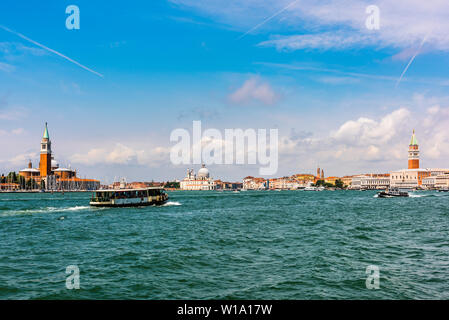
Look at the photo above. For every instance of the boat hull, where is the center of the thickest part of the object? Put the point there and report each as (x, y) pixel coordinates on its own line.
(388, 195)
(122, 205)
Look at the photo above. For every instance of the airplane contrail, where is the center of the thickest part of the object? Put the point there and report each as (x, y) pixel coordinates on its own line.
(268, 19)
(50, 50)
(411, 61)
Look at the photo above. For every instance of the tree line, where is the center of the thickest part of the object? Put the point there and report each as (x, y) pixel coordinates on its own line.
(24, 184)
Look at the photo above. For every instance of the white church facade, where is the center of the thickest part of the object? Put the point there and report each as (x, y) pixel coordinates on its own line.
(200, 181)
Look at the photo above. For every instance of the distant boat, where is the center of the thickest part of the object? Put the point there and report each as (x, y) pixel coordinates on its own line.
(443, 190)
(313, 188)
(129, 197)
(392, 193)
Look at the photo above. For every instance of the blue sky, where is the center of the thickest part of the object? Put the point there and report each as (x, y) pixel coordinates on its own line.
(314, 71)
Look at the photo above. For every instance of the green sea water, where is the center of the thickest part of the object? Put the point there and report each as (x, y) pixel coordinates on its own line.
(224, 245)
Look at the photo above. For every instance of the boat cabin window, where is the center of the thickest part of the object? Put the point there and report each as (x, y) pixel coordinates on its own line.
(155, 192)
(103, 196)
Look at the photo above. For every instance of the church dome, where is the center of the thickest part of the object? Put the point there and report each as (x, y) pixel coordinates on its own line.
(54, 164)
(203, 172)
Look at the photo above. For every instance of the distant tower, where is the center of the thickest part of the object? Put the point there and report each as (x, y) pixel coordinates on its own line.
(413, 153)
(322, 174)
(318, 170)
(45, 161)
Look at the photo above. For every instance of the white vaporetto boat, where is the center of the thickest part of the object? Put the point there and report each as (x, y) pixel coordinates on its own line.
(129, 197)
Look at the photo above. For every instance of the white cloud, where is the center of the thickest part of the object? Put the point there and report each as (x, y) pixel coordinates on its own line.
(338, 80)
(325, 41)
(375, 144)
(21, 159)
(18, 131)
(355, 143)
(366, 131)
(10, 49)
(71, 88)
(7, 67)
(13, 113)
(435, 124)
(403, 23)
(15, 132)
(254, 90)
(122, 155)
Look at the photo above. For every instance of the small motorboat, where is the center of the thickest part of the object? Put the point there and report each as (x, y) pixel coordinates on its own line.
(392, 193)
(311, 188)
(443, 190)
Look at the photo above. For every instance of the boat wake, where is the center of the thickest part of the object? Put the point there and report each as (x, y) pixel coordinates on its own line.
(171, 203)
(419, 195)
(43, 210)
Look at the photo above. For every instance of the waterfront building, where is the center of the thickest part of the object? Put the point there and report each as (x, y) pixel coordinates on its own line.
(51, 176)
(303, 179)
(442, 181)
(137, 185)
(371, 181)
(7, 186)
(331, 180)
(201, 181)
(222, 185)
(285, 183)
(408, 178)
(30, 172)
(437, 181)
(252, 183)
(415, 177)
(347, 180)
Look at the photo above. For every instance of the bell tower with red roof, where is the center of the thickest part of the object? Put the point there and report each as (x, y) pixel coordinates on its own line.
(45, 159)
(413, 153)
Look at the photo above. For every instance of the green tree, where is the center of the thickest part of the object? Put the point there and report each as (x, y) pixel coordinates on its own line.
(28, 184)
(22, 182)
(172, 184)
(339, 184)
(33, 184)
(12, 177)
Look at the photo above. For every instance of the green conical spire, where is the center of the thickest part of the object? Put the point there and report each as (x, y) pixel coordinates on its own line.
(46, 136)
(413, 141)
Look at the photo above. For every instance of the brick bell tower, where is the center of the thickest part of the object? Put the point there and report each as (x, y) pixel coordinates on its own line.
(45, 161)
(413, 153)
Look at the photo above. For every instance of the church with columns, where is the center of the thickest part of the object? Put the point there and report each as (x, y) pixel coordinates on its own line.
(51, 176)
